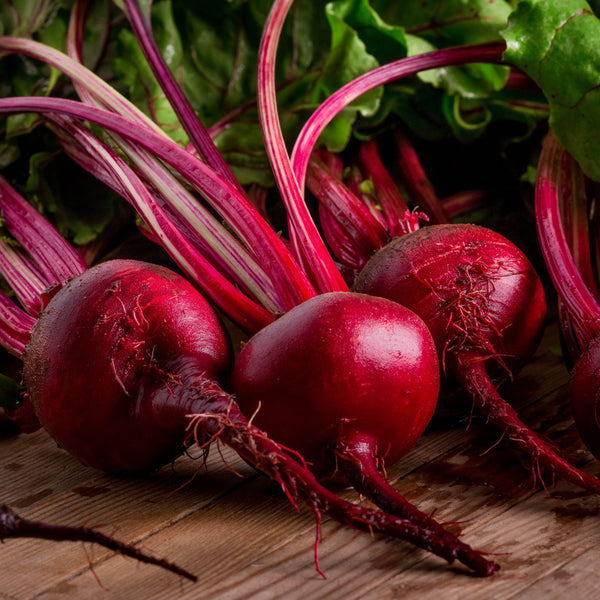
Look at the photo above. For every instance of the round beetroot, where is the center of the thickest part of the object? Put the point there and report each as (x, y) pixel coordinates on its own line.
(111, 359)
(478, 293)
(337, 364)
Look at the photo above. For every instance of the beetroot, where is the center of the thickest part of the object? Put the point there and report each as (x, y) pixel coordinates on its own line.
(351, 382)
(337, 365)
(485, 307)
(134, 329)
(468, 284)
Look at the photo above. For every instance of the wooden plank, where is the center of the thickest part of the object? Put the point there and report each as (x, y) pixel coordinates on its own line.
(132, 509)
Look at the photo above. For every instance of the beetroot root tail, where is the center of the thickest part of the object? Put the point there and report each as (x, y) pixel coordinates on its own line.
(501, 414)
(219, 415)
(14, 526)
(358, 461)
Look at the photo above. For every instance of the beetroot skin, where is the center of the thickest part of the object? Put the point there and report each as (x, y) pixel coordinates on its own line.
(115, 368)
(338, 364)
(585, 396)
(477, 292)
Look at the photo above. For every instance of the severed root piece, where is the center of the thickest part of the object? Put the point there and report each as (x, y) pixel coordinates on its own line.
(14, 526)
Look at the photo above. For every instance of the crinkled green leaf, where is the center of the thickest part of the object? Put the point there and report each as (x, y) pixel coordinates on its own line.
(349, 56)
(383, 41)
(25, 18)
(432, 24)
(221, 41)
(447, 22)
(558, 45)
(323, 46)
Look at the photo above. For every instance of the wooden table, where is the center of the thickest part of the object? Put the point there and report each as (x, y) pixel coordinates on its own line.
(236, 531)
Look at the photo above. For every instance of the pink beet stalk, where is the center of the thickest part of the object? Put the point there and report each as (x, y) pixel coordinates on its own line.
(323, 115)
(392, 204)
(415, 178)
(580, 303)
(357, 227)
(291, 283)
(199, 137)
(561, 215)
(41, 260)
(306, 240)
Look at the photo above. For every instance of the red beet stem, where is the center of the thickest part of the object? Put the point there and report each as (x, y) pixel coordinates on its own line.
(501, 414)
(220, 418)
(417, 181)
(14, 526)
(360, 463)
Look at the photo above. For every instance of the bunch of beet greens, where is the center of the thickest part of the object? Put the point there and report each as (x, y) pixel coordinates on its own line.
(373, 353)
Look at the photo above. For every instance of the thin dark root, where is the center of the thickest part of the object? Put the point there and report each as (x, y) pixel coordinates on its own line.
(14, 526)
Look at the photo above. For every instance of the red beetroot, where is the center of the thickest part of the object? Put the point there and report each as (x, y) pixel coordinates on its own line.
(350, 381)
(134, 338)
(335, 366)
(485, 307)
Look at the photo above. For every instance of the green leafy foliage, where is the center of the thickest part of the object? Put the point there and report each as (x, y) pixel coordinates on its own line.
(213, 49)
(55, 185)
(132, 70)
(558, 45)
(10, 393)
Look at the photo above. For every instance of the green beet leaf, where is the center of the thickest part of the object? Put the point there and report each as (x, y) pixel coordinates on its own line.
(558, 45)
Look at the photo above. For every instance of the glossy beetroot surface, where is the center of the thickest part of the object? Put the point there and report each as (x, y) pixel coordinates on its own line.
(339, 364)
(478, 293)
(110, 361)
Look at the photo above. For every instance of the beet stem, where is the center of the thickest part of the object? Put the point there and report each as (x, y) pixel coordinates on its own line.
(219, 416)
(360, 464)
(500, 413)
(14, 526)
